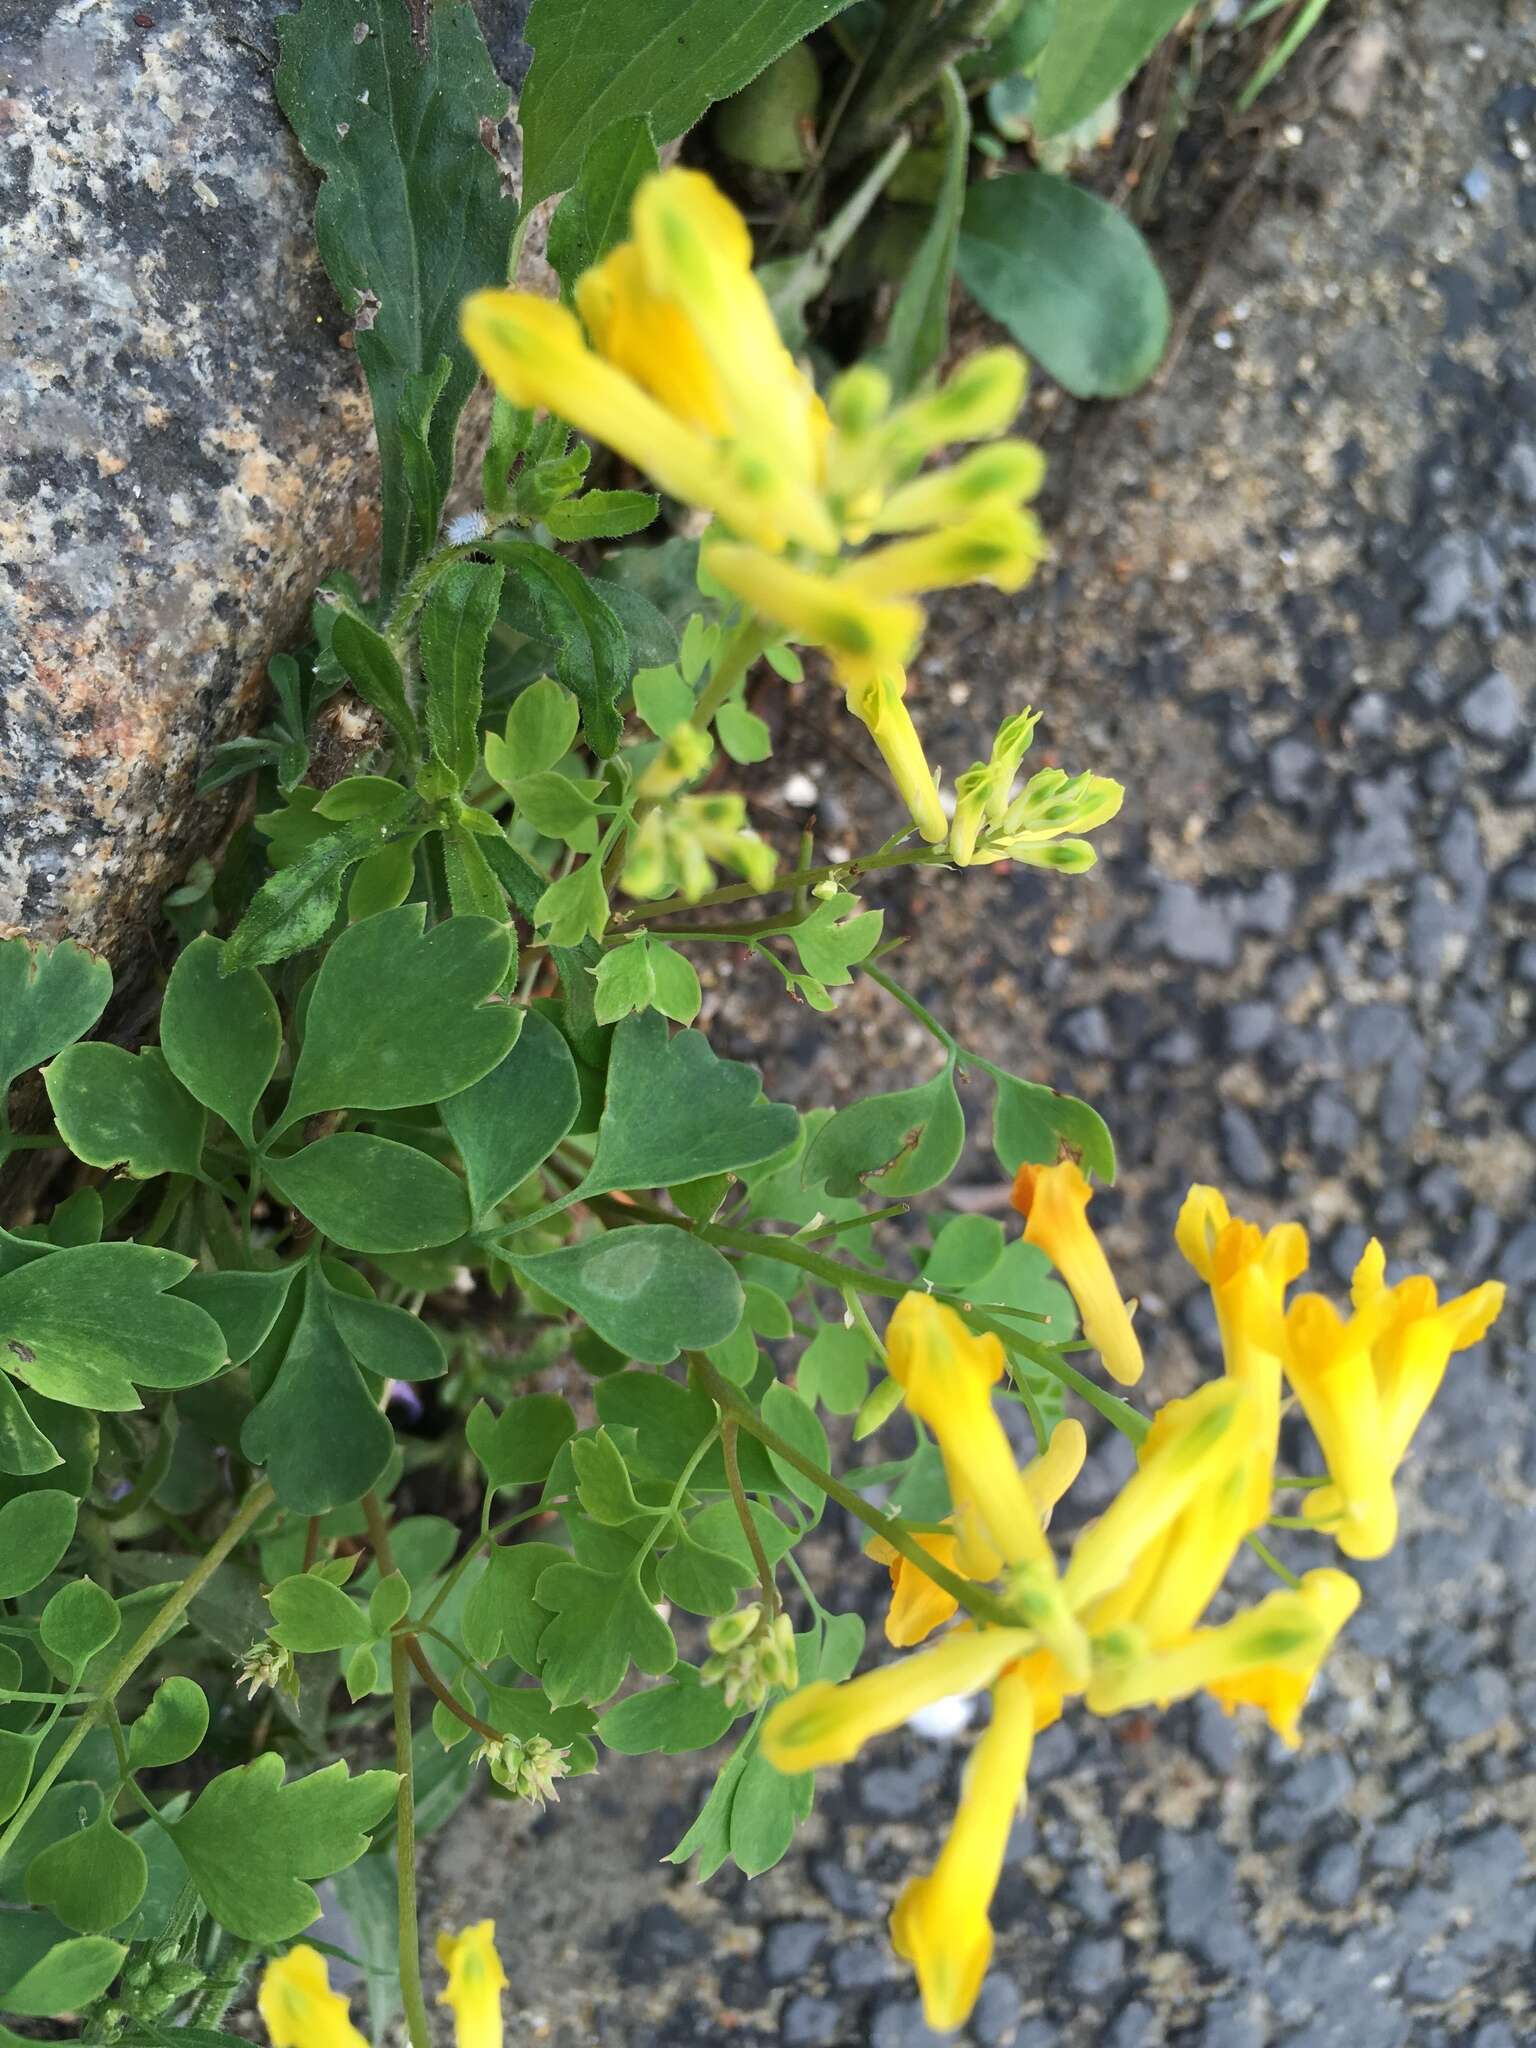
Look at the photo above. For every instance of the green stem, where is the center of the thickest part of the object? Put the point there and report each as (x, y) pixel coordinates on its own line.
(218, 1994)
(423, 1667)
(854, 1304)
(738, 655)
(1281, 1571)
(973, 1598)
(728, 1431)
(418, 2026)
(847, 871)
(159, 1626)
(462, 1564)
(910, 1003)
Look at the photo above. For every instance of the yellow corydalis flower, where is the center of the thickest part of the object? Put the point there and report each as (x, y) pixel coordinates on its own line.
(1267, 1656)
(476, 1981)
(298, 2007)
(1248, 1272)
(824, 1723)
(940, 1923)
(879, 703)
(1054, 1200)
(1365, 1382)
(919, 1605)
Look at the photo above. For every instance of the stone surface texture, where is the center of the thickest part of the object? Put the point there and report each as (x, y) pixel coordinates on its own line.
(185, 440)
(1305, 971)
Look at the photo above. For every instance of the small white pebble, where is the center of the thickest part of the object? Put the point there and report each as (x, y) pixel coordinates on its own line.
(1223, 337)
(945, 1719)
(1293, 135)
(800, 791)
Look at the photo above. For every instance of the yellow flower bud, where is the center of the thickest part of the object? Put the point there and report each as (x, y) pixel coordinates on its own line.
(878, 704)
(1008, 472)
(298, 2007)
(1054, 1202)
(998, 544)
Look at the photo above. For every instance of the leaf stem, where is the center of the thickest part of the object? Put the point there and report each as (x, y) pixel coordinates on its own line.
(256, 1503)
(435, 1685)
(418, 2026)
(728, 1431)
(740, 651)
(1281, 1571)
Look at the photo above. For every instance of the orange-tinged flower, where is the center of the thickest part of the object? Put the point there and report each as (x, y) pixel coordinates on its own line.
(918, 1605)
(1054, 1200)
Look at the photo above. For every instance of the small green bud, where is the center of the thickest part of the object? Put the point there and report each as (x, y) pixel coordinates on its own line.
(880, 1404)
(729, 1631)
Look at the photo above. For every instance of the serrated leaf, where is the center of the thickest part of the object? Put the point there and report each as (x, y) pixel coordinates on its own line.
(667, 59)
(594, 214)
(548, 598)
(221, 1033)
(897, 1144)
(82, 1326)
(510, 1121)
(455, 627)
(251, 1842)
(650, 1290)
(372, 1194)
(1069, 277)
(297, 906)
(599, 1625)
(400, 1016)
(49, 997)
(116, 1108)
(411, 217)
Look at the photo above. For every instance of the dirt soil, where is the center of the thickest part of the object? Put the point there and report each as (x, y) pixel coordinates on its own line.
(1293, 609)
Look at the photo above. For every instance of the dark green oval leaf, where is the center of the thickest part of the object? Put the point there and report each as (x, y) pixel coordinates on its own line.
(371, 1194)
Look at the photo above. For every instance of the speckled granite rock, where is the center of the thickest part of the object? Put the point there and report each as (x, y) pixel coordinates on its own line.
(185, 444)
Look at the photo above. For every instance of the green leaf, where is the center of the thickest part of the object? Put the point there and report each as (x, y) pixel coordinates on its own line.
(663, 699)
(455, 627)
(91, 1880)
(667, 59)
(24, 1449)
(424, 487)
(919, 329)
(220, 1032)
(388, 1604)
(764, 1811)
(297, 906)
(645, 973)
(710, 1836)
(171, 1728)
(835, 937)
(509, 1122)
(541, 729)
(82, 1326)
(35, 1532)
(574, 908)
(411, 216)
(834, 1369)
(600, 1625)
(560, 807)
(501, 1614)
(744, 736)
(388, 1341)
(309, 1614)
(594, 214)
(399, 1016)
(1094, 48)
(672, 1718)
(18, 1753)
(897, 1144)
(371, 1194)
(677, 993)
(245, 1306)
(795, 1420)
(317, 1428)
(651, 1291)
(375, 674)
(117, 1108)
(602, 1481)
(701, 1579)
(1030, 1123)
(250, 1841)
(601, 515)
(68, 1977)
(79, 1620)
(549, 599)
(518, 1446)
(964, 1250)
(676, 1111)
(1069, 277)
(49, 997)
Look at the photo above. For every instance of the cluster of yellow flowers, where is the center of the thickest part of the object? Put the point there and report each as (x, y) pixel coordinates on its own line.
(300, 2010)
(1120, 1625)
(681, 370)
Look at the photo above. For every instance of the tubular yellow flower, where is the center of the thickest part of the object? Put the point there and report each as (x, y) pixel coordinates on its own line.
(1412, 1353)
(1054, 1203)
(864, 635)
(650, 339)
(1267, 1656)
(998, 544)
(476, 1981)
(1248, 1272)
(879, 704)
(1198, 1441)
(940, 1923)
(298, 2007)
(1048, 1476)
(827, 1724)
(534, 354)
(979, 399)
(1328, 1363)
(918, 1606)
